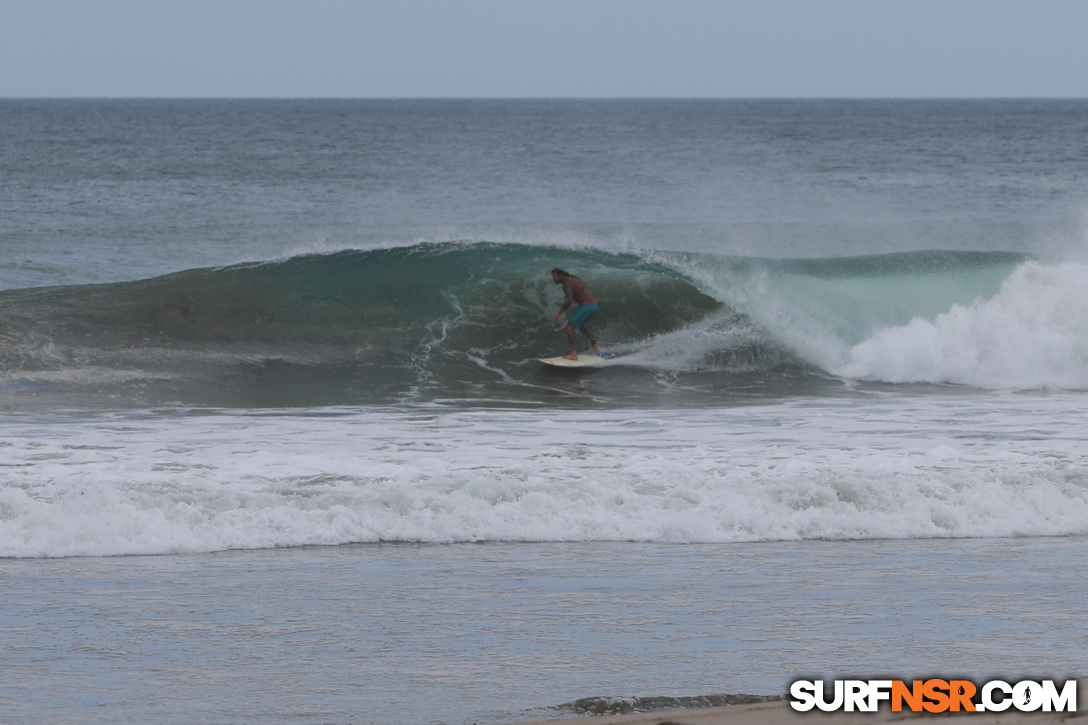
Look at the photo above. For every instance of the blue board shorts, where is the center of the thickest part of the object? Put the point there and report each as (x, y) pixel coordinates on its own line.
(584, 313)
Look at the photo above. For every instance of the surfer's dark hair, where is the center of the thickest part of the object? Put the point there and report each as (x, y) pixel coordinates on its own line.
(561, 272)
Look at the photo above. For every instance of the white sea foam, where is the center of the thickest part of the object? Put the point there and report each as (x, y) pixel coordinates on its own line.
(1032, 334)
(937, 467)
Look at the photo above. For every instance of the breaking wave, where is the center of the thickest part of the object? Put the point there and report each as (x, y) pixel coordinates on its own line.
(465, 321)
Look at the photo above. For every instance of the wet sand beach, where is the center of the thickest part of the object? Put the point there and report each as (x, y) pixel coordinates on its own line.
(780, 713)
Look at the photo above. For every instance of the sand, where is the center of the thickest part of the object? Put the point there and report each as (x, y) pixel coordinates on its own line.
(780, 713)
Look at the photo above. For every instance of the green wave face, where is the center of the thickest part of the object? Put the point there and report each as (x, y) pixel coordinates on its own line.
(462, 321)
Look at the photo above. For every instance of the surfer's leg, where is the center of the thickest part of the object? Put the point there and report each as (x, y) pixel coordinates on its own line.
(592, 339)
(573, 343)
(579, 320)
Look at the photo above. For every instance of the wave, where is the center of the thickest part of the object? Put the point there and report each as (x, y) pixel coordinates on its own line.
(466, 320)
(1032, 333)
(159, 482)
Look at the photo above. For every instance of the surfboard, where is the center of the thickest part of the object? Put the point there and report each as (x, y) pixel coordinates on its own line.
(585, 360)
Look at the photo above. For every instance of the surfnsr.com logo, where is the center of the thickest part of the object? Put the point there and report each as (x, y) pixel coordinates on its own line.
(934, 695)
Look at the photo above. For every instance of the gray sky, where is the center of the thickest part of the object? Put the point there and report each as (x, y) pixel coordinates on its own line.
(544, 48)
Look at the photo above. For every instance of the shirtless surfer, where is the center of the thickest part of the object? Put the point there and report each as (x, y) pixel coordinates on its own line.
(575, 290)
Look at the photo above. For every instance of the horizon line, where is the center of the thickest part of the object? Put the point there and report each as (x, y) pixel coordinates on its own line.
(533, 98)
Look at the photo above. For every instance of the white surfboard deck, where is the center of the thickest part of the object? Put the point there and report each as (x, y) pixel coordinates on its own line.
(585, 360)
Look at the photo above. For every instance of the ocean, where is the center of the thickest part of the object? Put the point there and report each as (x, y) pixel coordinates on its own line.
(275, 445)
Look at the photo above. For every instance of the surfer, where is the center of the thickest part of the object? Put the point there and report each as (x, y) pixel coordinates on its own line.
(575, 290)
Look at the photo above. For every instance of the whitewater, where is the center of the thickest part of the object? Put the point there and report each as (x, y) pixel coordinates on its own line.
(822, 447)
(106, 485)
(275, 446)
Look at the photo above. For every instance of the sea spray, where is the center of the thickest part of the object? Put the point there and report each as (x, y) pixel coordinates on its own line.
(1032, 334)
